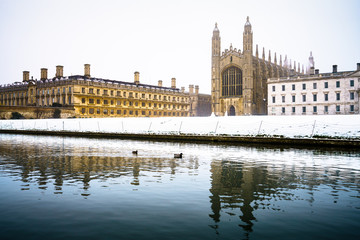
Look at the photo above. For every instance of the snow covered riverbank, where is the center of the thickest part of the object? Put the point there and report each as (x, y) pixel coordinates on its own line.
(327, 126)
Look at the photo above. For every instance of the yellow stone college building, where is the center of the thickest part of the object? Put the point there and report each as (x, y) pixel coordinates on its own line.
(84, 96)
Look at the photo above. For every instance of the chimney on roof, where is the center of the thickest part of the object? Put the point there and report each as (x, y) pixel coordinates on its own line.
(196, 89)
(358, 66)
(87, 70)
(26, 75)
(191, 89)
(160, 83)
(334, 68)
(316, 71)
(59, 71)
(173, 83)
(136, 77)
(312, 70)
(43, 74)
(182, 89)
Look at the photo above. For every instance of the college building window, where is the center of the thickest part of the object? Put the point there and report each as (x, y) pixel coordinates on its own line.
(326, 84)
(283, 87)
(326, 109)
(98, 91)
(91, 111)
(105, 111)
(337, 108)
(98, 111)
(315, 109)
(273, 99)
(293, 87)
(118, 112)
(315, 97)
(351, 108)
(337, 96)
(351, 83)
(283, 99)
(91, 90)
(91, 100)
(352, 96)
(337, 84)
(326, 97)
(304, 98)
(273, 88)
(83, 100)
(293, 98)
(314, 85)
(282, 110)
(83, 110)
(304, 109)
(98, 101)
(106, 102)
(304, 86)
(293, 110)
(83, 90)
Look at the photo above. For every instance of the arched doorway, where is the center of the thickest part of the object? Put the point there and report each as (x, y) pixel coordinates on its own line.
(232, 111)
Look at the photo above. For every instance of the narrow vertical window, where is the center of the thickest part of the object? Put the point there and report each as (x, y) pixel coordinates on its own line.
(352, 95)
(351, 83)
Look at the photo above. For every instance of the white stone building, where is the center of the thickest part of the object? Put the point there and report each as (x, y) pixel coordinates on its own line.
(316, 93)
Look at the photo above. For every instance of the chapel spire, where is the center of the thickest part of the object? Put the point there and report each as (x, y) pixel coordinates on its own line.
(247, 37)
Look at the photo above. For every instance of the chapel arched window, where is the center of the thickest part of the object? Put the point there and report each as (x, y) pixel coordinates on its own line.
(232, 82)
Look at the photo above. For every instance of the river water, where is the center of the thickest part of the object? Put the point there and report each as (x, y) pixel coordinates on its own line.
(80, 188)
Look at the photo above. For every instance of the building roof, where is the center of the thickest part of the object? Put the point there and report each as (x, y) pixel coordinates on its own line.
(316, 76)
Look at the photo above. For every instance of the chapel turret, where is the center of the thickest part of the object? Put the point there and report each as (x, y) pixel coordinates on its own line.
(247, 37)
(215, 69)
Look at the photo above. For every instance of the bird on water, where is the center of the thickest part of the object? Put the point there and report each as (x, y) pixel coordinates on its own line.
(178, 155)
(135, 152)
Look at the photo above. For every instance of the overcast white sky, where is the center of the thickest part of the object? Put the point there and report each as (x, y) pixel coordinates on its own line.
(164, 39)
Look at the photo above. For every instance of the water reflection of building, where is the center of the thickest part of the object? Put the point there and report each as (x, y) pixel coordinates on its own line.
(48, 165)
(241, 189)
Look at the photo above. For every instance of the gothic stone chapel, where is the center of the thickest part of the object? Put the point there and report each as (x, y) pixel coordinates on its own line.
(238, 79)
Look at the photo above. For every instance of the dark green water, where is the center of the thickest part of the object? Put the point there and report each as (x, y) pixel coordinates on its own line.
(77, 188)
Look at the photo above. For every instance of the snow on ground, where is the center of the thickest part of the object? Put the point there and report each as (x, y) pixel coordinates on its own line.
(345, 126)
